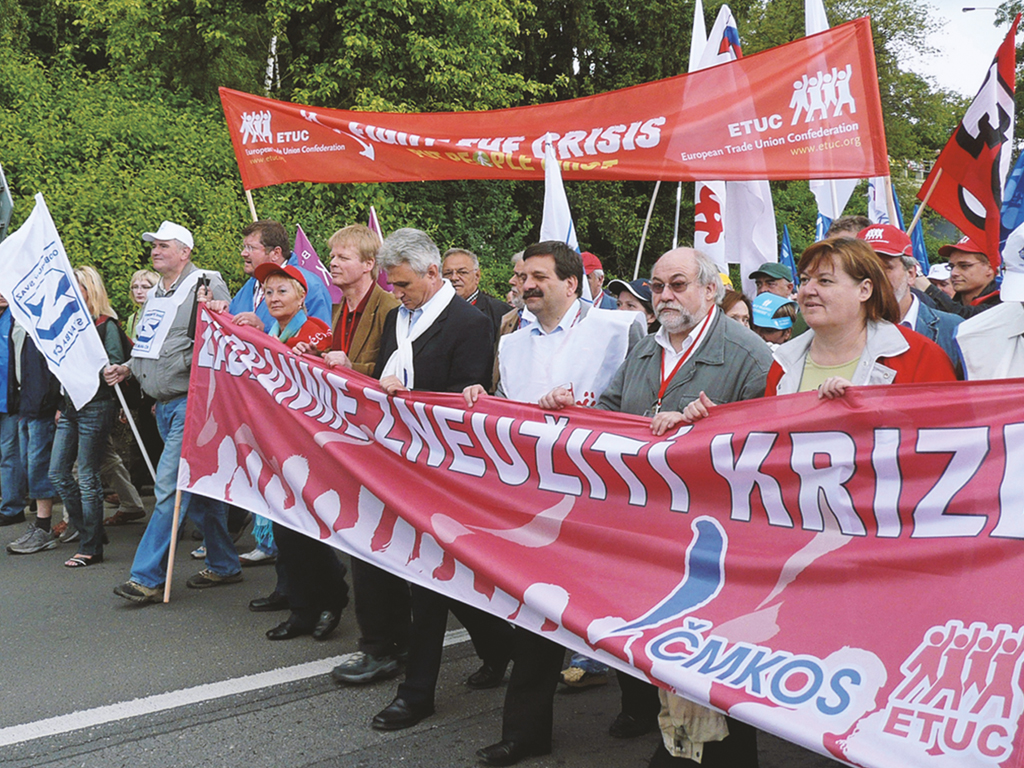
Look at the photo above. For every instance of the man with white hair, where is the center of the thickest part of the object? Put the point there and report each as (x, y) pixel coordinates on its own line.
(437, 342)
(697, 355)
(162, 361)
(462, 269)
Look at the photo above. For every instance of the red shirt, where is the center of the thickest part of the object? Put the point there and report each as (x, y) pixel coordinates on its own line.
(345, 330)
(314, 332)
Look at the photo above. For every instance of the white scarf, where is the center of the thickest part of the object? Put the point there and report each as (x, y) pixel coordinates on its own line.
(400, 362)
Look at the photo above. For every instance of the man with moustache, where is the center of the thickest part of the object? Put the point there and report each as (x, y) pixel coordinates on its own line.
(696, 355)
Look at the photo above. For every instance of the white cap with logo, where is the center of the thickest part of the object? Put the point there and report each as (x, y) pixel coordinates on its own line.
(170, 231)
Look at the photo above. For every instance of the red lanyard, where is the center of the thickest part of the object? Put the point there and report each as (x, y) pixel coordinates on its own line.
(665, 381)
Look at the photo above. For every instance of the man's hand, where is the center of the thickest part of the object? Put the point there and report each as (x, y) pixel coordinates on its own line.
(472, 393)
(557, 399)
(250, 319)
(393, 385)
(215, 305)
(115, 374)
(337, 359)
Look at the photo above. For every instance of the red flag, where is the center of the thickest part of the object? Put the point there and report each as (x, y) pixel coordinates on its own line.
(966, 183)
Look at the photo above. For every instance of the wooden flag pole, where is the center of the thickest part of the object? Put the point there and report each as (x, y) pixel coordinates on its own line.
(927, 197)
(174, 546)
(252, 205)
(643, 236)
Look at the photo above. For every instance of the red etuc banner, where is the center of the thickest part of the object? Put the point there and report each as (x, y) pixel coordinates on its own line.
(976, 159)
(845, 574)
(808, 109)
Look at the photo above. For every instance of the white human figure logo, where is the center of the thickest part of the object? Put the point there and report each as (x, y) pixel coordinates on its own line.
(842, 91)
(799, 101)
(256, 126)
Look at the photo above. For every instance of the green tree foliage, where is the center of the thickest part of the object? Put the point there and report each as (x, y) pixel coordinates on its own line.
(109, 108)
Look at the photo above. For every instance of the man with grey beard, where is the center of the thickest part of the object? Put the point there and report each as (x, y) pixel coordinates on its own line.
(895, 251)
(697, 354)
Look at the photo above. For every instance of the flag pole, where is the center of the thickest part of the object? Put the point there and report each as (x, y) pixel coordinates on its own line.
(252, 205)
(675, 230)
(174, 546)
(643, 236)
(135, 431)
(835, 198)
(890, 200)
(924, 202)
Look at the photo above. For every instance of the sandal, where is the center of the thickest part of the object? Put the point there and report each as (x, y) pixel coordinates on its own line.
(81, 561)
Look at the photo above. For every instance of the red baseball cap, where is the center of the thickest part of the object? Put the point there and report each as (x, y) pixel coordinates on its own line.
(590, 262)
(965, 244)
(887, 240)
(263, 271)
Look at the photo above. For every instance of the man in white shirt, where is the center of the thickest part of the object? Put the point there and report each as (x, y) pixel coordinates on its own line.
(569, 356)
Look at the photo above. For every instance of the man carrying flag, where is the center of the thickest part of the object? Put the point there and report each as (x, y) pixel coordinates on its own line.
(162, 361)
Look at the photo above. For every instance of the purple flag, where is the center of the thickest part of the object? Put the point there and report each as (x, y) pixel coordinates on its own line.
(308, 260)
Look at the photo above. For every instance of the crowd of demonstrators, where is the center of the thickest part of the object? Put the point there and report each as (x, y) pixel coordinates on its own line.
(679, 345)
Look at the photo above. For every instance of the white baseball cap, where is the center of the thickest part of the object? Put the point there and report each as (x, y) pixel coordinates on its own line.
(939, 272)
(170, 231)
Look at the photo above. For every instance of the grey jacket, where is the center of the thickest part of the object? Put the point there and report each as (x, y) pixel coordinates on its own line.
(166, 378)
(732, 364)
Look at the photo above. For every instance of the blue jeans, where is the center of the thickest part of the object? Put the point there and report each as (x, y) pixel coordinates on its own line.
(211, 517)
(36, 436)
(83, 435)
(13, 482)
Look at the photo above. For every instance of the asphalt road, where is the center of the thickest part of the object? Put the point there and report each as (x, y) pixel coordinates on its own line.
(88, 679)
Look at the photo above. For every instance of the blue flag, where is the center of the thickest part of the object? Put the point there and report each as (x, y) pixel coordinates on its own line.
(917, 240)
(1012, 213)
(786, 254)
(821, 226)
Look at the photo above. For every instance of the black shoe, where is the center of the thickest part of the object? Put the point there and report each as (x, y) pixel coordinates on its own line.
(400, 714)
(291, 627)
(275, 601)
(326, 624)
(488, 676)
(12, 519)
(509, 752)
(628, 727)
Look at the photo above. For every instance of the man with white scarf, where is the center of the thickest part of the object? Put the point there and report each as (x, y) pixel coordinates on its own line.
(437, 342)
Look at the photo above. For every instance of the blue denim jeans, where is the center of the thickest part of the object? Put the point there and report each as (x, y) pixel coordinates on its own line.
(83, 435)
(13, 482)
(150, 565)
(36, 437)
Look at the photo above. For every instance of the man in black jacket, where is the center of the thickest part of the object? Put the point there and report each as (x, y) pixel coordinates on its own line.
(973, 279)
(436, 341)
(462, 269)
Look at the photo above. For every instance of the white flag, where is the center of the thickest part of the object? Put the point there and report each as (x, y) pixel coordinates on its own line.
(750, 232)
(556, 223)
(878, 204)
(708, 196)
(834, 194)
(40, 286)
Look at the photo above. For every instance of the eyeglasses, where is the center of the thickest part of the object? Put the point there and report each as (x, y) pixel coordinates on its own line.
(676, 286)
(450, 273)
(963, 266)
(246, 248)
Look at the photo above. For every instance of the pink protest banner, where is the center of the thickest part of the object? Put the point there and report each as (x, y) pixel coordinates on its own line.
(844, 574)
(808, 109)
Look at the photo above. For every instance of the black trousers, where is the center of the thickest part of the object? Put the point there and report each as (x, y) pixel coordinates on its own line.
(491, 636)
(314, 576)
(530, 696)
(639, 698)
(382, 610)
(737, 750)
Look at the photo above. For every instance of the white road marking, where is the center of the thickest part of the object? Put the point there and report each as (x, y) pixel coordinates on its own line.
(89, 718)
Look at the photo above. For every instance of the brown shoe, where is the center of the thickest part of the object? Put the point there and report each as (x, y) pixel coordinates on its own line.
(123, 517)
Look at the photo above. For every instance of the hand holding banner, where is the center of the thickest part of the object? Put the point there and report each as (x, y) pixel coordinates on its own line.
(37, 280)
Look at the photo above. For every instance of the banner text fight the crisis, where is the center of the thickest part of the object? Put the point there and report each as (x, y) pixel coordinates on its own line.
(785, 476)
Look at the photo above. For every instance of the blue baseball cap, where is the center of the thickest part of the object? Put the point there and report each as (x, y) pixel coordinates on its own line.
(765, 306)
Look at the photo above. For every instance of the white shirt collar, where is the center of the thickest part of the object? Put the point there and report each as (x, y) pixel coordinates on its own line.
(563, 325)
(911, 317)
